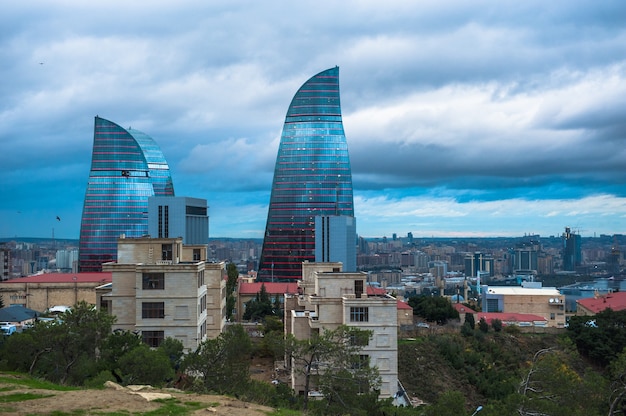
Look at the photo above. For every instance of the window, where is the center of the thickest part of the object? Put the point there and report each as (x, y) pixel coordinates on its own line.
(153, 310)
(166, 252)
(358, 288)
(361, 340)
(153, 338)
(153, 281)
(360, 361)
(196, 254)
(359, 314)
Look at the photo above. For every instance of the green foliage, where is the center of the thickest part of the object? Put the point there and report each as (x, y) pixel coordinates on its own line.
(496, 324)
(260, 307)
(64, 351)
(470, 320)
(450, 403)
(174, 350)
(483, 325)
(467, 330)
(433, 308)
(231, 285)
(601, 337)
(222, 363)
(333, 359)
(143, 365)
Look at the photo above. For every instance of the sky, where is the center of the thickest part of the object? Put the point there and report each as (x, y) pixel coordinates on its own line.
(463, 118)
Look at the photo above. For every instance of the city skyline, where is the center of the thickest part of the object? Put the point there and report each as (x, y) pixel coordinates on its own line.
(482, 119)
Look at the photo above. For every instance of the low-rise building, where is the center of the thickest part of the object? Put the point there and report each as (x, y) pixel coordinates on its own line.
(329, 298)
(547, 302)
(43, 291)
(591, 306)
(160, 289)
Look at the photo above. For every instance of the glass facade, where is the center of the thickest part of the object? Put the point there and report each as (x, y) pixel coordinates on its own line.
(312, 177)
(127, 167)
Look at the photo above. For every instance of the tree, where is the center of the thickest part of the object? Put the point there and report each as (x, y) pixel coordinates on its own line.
(64, 351)
(601, 337)
(470, 320)
(221, 364)
(231, 284)
(496, 324)
(483, 325)
(338, 351)
(259, 307)
(143, 365)
(433, 308)
(553, 386)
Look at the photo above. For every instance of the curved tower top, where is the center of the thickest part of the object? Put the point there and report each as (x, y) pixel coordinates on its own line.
(127, 167)
(312, 177)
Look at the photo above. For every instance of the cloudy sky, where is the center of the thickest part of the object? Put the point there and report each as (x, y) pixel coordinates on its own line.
(463, 118)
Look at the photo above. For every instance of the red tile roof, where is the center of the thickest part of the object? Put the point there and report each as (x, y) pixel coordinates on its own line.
(372, 291)
(97, 277)
(462, 309)
(271, 287)
(615, 301)
(404, 305)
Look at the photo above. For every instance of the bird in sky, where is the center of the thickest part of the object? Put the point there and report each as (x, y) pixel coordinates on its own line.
(58, 218)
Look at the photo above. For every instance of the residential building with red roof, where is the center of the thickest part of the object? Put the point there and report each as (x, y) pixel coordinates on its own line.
(591, 306)
(41, 292)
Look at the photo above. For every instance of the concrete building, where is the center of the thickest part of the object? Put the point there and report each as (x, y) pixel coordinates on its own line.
(329, 298)
(160, 290)
(547, 302)
(591, 306)
(43, 291)
(5, 264)
(174, 216)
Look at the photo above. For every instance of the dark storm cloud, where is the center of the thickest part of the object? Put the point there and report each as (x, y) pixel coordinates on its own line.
(444, 104)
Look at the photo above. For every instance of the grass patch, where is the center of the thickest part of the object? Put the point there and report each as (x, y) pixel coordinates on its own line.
(20, 397)
(285, 412)
(173, 407)
(33, 383)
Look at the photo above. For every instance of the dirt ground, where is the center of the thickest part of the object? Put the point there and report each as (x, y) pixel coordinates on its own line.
(130, 400)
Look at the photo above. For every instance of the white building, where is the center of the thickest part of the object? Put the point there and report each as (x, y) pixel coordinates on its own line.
(160, 289)
(329, 298)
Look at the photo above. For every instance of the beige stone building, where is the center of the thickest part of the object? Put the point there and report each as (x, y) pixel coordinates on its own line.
(329, 298)
(547, 302)
(43, 291)
(164, 289)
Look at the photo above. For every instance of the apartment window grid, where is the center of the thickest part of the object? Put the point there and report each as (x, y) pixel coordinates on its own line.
(201, 278)
(153, 338)
(153, 281)
(153, 310)
(359, 314)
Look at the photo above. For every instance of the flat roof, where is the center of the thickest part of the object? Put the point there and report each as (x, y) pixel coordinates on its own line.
(95, 277)
(518, 290)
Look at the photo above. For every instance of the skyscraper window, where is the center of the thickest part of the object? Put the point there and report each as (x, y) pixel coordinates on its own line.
(127, 167)
(312, 177)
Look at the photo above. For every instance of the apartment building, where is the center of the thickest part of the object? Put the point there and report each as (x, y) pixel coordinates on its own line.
(329, 298)
(160, 289)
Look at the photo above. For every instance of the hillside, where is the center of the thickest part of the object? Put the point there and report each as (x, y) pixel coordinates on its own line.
(481, 367)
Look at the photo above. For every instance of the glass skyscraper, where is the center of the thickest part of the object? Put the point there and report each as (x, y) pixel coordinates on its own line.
(127, 167)
(312, 177)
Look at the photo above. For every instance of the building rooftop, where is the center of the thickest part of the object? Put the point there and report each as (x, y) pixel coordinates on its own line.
(518, 290)
(246, 288)
(94, 277)
(616, 301)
